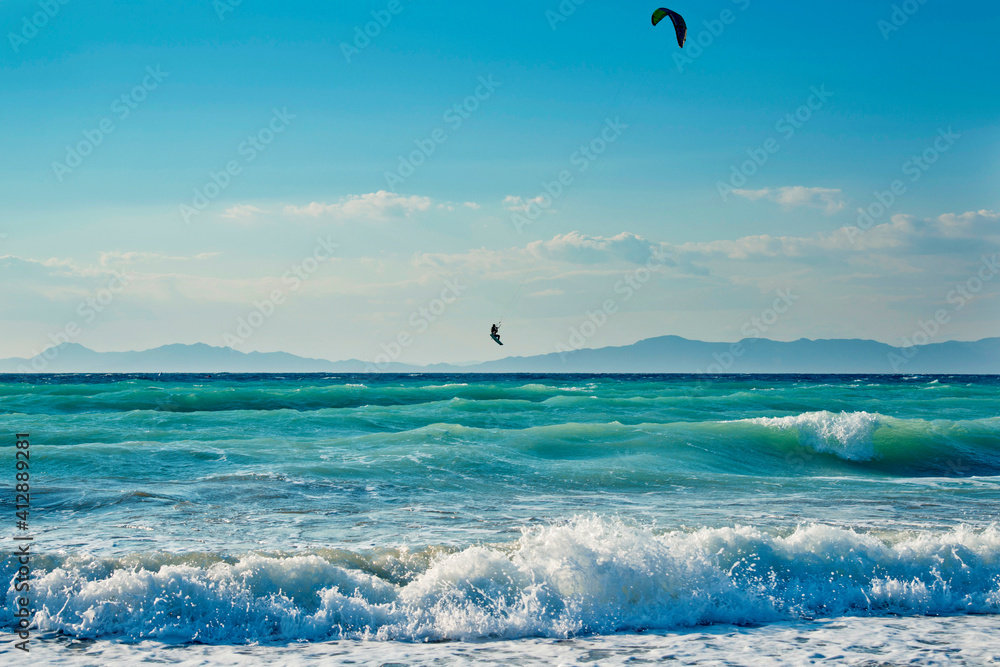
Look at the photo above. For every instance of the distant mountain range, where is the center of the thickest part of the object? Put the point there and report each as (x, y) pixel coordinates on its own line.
(666, 354)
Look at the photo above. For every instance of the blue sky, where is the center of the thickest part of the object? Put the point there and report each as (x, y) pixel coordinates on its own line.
(892, 80)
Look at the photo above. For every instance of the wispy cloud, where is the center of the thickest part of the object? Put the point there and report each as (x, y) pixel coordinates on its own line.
(517, 204)
(379, 205)
(547, 293)
(564, 252)
(119, 258)
(452, 206)
(243, 212)
(577, 248)
(905, 235)
(829, 199)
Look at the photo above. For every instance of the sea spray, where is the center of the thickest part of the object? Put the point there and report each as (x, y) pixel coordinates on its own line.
(588, 575)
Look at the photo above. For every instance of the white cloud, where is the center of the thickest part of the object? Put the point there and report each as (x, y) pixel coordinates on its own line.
(571, 248)
(242, 212)
(547, 293)
(829, 199)
(47, 286)
(118, 258)
(904, 240)
(517, 204)
(973, 224)
(451, 206)
(971, 232)
(379, 205)
(52, 268)
(904, 235)
(579, 248)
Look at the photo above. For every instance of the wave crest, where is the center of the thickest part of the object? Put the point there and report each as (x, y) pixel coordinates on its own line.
(848, 435)
(590, 575)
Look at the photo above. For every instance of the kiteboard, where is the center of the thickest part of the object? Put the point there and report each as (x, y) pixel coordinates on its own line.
(496, 338)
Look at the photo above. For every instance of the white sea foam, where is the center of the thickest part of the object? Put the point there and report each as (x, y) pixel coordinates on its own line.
(931, 641)
(846, 434)
(589, 576)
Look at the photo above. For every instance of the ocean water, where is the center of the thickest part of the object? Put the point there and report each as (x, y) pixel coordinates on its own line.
(314, 519)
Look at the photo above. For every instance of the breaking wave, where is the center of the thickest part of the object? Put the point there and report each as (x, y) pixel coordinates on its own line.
(589, 575)
(847, 435)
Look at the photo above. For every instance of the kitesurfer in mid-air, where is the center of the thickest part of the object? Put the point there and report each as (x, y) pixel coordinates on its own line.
(495, 333)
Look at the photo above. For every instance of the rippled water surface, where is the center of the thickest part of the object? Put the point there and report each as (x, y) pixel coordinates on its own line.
(236, 509)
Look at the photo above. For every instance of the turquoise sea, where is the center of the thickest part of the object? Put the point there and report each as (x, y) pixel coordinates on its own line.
(433, 519)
